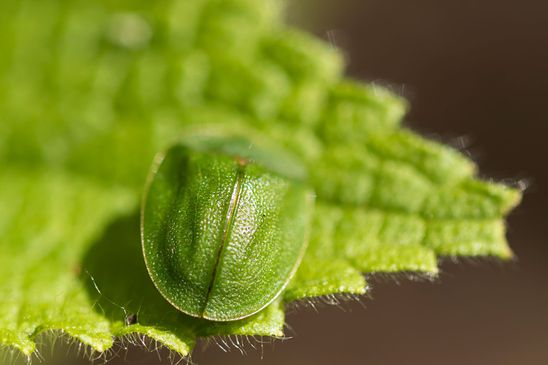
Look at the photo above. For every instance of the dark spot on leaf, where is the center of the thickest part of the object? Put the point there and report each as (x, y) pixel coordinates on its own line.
(131, 319)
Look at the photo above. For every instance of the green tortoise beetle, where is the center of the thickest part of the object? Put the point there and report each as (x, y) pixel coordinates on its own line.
(222, 231)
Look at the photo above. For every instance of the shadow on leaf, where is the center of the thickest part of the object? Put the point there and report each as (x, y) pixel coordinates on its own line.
(117, 281)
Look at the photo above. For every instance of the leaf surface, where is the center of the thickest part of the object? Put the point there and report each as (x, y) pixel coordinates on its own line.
(91, 91)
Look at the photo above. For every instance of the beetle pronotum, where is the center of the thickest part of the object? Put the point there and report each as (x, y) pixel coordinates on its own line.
(222, 234)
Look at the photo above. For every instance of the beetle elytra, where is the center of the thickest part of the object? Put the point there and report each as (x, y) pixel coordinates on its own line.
(222, 235)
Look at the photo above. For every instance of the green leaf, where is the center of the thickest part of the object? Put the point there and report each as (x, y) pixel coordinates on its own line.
(48, 220)
(91, 91)
(64, 273)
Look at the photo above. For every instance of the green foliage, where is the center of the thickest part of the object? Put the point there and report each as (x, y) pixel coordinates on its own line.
(90, 91)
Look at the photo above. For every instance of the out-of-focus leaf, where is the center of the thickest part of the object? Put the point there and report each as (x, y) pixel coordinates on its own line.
(91, 91)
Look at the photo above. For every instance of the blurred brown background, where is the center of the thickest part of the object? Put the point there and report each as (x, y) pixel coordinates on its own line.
(476, 73)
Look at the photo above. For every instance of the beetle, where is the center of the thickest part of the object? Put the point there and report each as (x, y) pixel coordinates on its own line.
(222, 231)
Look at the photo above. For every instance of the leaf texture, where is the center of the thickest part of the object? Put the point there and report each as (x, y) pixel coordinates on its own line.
(90, 91)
